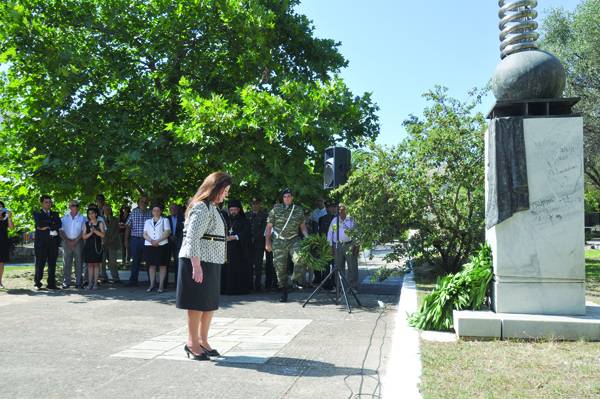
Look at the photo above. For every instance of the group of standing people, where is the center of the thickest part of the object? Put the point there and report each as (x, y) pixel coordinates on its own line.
(154, 239)
(88, 242)
(92, 241)
(217, 251)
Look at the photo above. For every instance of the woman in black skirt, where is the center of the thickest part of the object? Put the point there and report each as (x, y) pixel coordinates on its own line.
(156, 249)
(202, 254)
(92, 249)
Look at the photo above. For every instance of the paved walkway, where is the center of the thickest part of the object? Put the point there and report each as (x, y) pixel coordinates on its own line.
(125, 343)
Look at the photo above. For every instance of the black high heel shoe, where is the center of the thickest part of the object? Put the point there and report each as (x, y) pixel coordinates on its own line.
(188, 352)
(212, 352)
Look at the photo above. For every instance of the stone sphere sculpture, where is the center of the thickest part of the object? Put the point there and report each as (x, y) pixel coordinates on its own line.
(525, 72)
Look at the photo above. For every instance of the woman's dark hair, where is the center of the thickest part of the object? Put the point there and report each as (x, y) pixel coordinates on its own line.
(93, 210)
(159, 206)
(210, 188)
(45, 197)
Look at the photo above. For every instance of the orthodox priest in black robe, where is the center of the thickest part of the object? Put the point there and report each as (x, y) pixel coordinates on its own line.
(236, 274)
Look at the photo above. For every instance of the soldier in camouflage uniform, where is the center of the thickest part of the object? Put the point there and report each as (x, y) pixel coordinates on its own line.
(284, 223)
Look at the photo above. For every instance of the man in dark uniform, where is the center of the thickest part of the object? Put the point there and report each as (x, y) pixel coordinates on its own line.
(258, 224)
(47, 224)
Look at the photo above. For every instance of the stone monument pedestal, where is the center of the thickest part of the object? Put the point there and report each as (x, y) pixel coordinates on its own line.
(535, 226)
(538, 253)
(488, 324)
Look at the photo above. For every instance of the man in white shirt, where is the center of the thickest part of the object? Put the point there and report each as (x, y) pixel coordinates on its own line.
(71, 233)
(346, 251)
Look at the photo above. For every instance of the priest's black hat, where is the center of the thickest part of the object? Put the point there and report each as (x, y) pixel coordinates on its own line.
(235, 204)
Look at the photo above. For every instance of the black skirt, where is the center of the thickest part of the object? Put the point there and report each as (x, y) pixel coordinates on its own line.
(92, 250)
(156, 256)
(194, 296)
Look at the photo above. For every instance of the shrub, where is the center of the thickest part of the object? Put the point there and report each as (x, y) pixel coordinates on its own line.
(466, 289)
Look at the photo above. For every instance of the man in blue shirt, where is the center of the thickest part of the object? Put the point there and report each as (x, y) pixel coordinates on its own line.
(134, 236)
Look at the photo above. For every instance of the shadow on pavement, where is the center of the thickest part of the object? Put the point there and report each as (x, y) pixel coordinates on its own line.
(293, 367)
(369, 295)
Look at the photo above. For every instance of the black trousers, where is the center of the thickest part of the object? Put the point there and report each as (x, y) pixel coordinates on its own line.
(270, 275)
(45, 251)
(258, 252)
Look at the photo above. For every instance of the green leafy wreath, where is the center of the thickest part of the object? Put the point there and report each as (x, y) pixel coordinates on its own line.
(315, 252)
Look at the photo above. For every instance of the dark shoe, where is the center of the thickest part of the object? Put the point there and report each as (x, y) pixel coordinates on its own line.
(284, 295)
(53, 287)
(212, 352)
(117, 282)
(131, 284)
(297, 285)
(188, 352)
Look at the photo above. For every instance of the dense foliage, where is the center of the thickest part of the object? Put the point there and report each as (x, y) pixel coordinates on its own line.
(427, 194)
(466, 289)
(149, 96)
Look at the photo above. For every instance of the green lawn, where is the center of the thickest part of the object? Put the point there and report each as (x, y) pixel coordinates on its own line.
(514, 369)
(592, 275)
(21, 277)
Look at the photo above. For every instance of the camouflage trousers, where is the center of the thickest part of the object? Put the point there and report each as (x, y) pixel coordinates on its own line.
(281, 250)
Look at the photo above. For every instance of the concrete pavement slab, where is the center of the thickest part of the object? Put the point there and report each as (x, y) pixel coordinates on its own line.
(61, 345)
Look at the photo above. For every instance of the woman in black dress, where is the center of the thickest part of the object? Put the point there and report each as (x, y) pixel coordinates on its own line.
(5, 224)
(202, 254)
(92, 250)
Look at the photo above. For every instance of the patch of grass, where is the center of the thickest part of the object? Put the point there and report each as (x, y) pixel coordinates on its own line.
(21, 277)
(510, 369)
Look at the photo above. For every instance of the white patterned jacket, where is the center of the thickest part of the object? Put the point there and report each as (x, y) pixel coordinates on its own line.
(204, 234)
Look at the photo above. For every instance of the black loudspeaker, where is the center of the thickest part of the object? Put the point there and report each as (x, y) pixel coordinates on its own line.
(337, 167)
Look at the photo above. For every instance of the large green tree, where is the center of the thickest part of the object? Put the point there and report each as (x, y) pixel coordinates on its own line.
(132, 96)
(431, 185)
(574, 37)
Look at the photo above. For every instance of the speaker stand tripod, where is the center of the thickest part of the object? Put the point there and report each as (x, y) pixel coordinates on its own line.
(335, 273)
(341, 286)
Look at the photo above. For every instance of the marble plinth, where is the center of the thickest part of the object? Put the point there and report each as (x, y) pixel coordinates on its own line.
(538, 254)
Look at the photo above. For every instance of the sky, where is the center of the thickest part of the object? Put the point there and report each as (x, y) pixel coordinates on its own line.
(399, 49)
